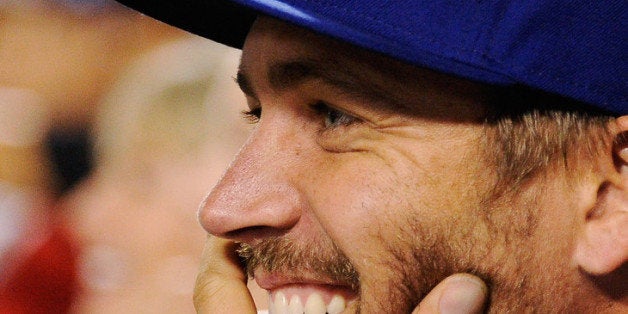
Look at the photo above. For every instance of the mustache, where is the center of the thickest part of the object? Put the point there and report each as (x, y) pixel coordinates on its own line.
(284, 256)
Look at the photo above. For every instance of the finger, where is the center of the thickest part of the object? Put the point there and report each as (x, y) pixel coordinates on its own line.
(459, 293)
(221, 282)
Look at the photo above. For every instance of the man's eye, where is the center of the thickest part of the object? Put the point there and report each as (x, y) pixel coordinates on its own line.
(252, 115)
(333, 117)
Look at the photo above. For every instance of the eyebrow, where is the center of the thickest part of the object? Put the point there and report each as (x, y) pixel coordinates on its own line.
(287, 74)
(244, 83)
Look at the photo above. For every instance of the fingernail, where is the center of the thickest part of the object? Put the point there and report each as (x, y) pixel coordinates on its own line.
(623, 154)
(462, 295)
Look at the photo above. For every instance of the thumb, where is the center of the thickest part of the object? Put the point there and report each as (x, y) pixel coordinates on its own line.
(458, 293)
(221, 282)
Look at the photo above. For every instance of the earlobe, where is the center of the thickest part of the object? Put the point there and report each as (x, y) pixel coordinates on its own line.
(602, 246)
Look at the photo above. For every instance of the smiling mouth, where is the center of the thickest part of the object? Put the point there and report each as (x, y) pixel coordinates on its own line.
(302, 295)
(301, 278)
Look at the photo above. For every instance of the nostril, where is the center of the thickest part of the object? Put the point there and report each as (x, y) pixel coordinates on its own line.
(250, 203)
(252, 234)
(265, 212)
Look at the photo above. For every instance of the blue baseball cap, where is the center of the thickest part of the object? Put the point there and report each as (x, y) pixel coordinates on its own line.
(573, 48)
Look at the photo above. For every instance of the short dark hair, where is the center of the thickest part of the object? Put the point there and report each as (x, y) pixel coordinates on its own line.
(529, 130)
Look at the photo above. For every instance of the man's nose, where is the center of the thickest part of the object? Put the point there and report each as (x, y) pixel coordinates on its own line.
(256, 196)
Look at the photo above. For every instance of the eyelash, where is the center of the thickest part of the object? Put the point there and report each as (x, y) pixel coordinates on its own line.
(252, 116)
(341, 119)
(330, 113)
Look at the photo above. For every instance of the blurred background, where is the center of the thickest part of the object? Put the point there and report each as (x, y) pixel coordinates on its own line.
(113, 127)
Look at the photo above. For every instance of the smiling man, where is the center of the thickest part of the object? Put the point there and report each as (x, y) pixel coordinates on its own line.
(397, 144)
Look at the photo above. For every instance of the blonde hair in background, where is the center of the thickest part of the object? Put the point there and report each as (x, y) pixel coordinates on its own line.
(167, 106)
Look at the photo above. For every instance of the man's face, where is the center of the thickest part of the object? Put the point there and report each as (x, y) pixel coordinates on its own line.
(365, 179)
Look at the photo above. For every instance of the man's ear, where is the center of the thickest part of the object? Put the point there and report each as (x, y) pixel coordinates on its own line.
(602, 244)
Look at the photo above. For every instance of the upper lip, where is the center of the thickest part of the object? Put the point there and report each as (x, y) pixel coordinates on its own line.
(271, 281)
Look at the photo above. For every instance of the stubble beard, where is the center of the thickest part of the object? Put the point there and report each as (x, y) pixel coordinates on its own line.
(505, 261)
(281, 255)
(413, 272)
(519, 277)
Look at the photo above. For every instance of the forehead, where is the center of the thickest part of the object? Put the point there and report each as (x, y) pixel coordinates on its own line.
(272, 42)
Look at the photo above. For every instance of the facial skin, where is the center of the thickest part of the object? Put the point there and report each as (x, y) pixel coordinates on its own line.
(367, 178)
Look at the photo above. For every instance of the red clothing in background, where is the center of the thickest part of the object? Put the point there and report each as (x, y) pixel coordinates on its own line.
(43, 277)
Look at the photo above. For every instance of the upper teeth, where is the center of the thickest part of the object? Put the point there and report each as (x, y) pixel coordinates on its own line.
(314, 304)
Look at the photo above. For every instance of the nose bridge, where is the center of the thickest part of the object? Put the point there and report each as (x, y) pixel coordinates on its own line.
(256, 191)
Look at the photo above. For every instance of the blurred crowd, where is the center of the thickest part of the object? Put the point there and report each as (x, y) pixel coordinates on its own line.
(113, 127)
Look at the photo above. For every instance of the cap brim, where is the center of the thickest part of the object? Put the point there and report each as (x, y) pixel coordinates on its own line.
(222, 21)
